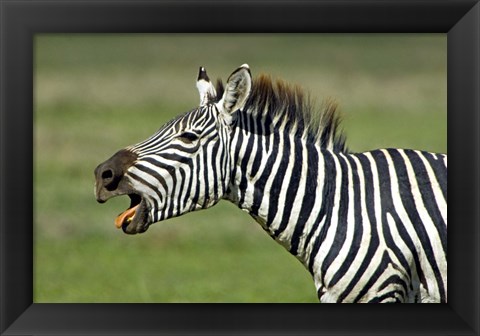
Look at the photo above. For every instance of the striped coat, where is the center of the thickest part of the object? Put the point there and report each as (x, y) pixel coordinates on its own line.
(370, 227)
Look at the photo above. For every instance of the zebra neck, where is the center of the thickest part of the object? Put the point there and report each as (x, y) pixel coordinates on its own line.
(280, 181)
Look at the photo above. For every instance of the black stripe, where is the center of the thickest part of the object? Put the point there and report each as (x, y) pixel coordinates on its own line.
(156, 212)
(182, 148)
(292, 188)
(436, 161)
(153, 173)
(179, 196)
(389, 295)
(267, 171)
(167, 156)
(245, 158)
(179, 125)
(342, 222)
(171, 170)
(389, 207)
(325, 210)
(196, 185)
(428, 197)
(409, 204)
(142, 181)
(188, 191)
(205, 182)
(170, 199)
(238, 147)
(209, 130)
(182, 124)
(378, 272)
(308, 199)
(276, 187)
(213, 160)
(358, 225)
(260, 139)
(225, 159)
(268, 131)
(159, 164)
(394, 279)
(372, 221)
(393, 246)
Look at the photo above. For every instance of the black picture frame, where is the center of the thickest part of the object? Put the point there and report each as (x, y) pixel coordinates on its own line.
(21, 20)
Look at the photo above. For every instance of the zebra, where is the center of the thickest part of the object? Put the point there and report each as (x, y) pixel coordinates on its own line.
(369, 227)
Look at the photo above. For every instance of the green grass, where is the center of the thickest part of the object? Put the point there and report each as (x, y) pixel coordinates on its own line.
(95, 94)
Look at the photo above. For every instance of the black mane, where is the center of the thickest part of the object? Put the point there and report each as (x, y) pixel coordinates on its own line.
(281, 99)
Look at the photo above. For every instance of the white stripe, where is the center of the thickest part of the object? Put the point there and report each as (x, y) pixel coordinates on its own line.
(264, 207)
(432, 231)
(331, 234)
(303, 250)
(439, 199)
(286, 235)
(248, 200)
(377, 257)
(366, 234)
(283, 194)
(347, 244)
(408, 225)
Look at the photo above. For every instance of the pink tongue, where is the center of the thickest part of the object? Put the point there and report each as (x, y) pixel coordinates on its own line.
(128, 214)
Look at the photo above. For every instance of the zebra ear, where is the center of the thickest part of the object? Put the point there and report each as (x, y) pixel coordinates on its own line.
(205, 88)
(237, 90)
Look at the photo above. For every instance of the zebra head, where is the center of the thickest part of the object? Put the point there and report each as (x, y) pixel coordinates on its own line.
(184, 166)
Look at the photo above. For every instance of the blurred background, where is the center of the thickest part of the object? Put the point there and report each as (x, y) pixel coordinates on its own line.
(95, 94)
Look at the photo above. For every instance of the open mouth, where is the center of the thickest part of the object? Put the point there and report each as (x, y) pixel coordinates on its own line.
(133, 219)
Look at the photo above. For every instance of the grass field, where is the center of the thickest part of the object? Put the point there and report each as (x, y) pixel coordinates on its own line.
(95, 94)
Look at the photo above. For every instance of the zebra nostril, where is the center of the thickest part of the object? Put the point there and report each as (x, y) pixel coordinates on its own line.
(107, 174)
(110, 179)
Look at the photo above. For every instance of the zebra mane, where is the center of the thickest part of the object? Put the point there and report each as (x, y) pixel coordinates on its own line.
(279, 99)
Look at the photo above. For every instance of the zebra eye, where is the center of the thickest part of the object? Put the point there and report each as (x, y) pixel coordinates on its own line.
(188, 137)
